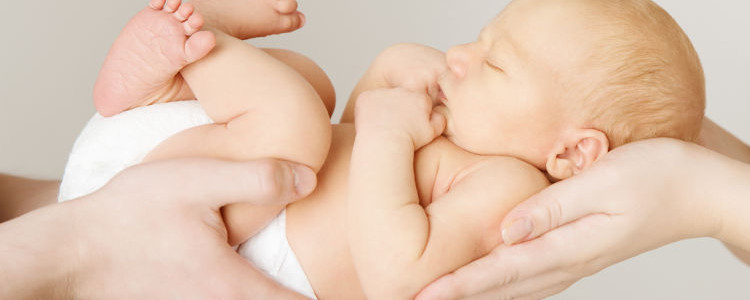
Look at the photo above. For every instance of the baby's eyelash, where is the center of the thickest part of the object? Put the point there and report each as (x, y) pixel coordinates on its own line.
(489, 64)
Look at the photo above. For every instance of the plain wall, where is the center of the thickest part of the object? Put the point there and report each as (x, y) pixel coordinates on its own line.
(52, 51)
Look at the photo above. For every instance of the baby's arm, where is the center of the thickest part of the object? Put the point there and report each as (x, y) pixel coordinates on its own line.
(410, 66)
(398, 246)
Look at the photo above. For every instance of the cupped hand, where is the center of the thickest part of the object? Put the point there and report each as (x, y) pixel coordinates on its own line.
(630, 202)
(155, 231)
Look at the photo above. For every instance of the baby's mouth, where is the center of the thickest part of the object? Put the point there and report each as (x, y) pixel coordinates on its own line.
(441, 96)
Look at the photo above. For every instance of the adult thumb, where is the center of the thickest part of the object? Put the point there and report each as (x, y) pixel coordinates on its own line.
(241, 280)
(555, 206)
(217, 182)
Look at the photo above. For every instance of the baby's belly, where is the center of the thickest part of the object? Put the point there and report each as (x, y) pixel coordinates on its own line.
(316, 227)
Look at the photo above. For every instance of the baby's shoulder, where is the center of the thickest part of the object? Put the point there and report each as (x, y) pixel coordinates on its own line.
(449, 166)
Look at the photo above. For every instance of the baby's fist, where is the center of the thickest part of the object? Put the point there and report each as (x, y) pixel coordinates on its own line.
(398, 113)
(414, 67)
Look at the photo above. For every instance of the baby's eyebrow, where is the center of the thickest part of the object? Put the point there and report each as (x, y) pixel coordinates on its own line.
(512, 45)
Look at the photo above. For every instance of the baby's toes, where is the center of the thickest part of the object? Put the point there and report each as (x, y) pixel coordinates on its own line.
(193, 24)
(198, 45)
(291, 22)
(184, 12)
(172, 5)
(285, 6)
(156, 4)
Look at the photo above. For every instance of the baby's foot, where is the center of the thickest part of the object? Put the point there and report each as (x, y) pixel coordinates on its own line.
(246, 19)
(142, 66)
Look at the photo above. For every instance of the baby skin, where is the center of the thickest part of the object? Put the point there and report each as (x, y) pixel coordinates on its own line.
(276, 111)
(143, 64)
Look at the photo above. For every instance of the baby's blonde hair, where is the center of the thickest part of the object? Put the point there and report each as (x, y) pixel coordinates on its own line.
(650, 80)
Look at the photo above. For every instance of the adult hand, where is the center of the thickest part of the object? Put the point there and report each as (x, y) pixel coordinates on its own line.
(637, 198)
(154, 231)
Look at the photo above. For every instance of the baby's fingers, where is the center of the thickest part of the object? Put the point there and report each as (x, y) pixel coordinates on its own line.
(437, 121)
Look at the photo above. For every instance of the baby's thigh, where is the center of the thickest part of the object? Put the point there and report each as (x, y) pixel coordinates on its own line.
(244, 220)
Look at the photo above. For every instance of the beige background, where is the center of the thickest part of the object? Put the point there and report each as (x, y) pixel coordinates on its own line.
(52, 50)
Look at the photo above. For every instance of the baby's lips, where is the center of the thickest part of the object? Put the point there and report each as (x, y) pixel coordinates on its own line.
(441, 97)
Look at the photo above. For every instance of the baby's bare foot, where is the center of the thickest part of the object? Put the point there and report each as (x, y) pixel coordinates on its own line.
(246, 19)
(143, 65)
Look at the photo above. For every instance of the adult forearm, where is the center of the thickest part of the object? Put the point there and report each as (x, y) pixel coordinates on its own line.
(731, 192)
(20, 195)
(713, 137)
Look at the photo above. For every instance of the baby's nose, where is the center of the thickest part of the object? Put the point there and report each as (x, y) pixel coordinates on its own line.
(457, 58)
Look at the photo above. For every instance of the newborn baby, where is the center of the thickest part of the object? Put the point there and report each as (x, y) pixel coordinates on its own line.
(421, 188)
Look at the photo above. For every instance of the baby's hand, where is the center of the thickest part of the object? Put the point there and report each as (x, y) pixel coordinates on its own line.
(414, 67)
(398, 113)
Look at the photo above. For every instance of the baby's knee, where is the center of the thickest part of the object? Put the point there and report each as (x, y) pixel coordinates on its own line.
(313, 73)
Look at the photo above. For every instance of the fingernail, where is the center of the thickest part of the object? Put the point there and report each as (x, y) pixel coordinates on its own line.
(304, 180)
(517, 231)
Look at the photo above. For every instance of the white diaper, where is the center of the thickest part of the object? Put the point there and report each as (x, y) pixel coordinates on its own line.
(106, 146)
(269, 250)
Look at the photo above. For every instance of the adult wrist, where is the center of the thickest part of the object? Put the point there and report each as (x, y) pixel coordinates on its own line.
(731, 189)
(38, 255)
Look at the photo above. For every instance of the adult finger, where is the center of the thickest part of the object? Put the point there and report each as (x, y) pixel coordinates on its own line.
(503, 266)
(537, 287)
(557, 205)
(539, 293)
(565, 250)
(239, 279)
(217, 182)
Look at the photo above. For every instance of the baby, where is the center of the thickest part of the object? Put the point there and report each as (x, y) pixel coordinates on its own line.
(549, 85)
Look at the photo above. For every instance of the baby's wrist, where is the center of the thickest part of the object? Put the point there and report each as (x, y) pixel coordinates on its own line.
(386, 140)
(383, 134)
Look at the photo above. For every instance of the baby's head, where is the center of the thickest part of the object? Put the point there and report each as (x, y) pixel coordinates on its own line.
(558, 83)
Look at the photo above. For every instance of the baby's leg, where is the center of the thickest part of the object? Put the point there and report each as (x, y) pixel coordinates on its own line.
(261, 108)
(245, 19)
(143, 64)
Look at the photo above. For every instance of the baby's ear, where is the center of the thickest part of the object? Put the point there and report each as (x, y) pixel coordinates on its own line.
(576, 153)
